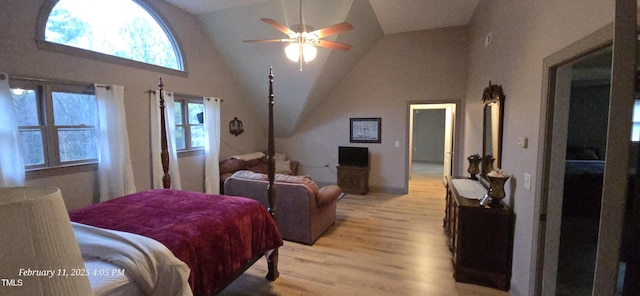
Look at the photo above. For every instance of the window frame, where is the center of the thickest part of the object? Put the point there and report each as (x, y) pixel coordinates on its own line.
(186, 126)
(41, 23)
(635, 124)
(46, 120)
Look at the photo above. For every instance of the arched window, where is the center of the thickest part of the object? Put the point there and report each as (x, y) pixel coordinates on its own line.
(122, 28)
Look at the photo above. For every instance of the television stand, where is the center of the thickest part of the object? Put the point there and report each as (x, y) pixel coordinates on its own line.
(353, 179)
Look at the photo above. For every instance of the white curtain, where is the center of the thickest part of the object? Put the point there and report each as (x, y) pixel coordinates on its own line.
(156, 162)
(115, 172)
(212, 145)
(11, 165)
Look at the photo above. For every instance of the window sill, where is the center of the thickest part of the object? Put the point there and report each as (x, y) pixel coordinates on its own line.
(189, 153)
(59, 171)
(40, 173)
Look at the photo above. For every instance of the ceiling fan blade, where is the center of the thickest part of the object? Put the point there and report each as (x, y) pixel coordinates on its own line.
(277, 26)
(333, 45)
(270, 40)
(334, 29)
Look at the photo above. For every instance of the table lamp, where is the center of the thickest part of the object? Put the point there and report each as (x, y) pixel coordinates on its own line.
(39, 253)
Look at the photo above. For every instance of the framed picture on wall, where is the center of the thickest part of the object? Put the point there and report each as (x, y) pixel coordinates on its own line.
(365, 130)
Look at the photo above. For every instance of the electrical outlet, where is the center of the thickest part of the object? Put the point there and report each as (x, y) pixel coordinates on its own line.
(527, 181)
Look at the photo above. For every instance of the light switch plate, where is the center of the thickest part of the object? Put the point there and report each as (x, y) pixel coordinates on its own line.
(523, 142)
(527, 181)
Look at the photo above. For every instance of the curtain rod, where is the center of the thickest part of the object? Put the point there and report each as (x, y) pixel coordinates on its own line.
(153, 91)
(215, 99)
(46, 80)
(60, 81)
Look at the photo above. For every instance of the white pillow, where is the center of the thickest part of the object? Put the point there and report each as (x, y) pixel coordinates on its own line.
(280, 156)
(249, 156)
(283, 167)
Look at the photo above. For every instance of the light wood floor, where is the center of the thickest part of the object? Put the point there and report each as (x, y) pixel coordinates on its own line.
(381, 244)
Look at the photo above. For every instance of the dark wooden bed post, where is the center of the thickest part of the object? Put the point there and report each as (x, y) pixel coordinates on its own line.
(272, 260)
(164, 149)
(271, 162)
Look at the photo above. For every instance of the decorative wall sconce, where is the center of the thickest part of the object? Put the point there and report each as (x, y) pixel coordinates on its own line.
(492, 93)
(235, 127)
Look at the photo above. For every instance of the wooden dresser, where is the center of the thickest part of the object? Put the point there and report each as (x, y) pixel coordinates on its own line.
(480, 238)
(353, 179)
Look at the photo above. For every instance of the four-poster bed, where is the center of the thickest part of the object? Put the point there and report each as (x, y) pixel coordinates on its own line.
(217, 236)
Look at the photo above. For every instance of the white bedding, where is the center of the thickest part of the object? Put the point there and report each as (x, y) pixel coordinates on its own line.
(110, 283)
(115, 259)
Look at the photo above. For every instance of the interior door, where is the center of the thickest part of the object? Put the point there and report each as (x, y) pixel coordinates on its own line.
(623, 76)
(585, 156)
(552, 169)
(622, 37)
(449, 127)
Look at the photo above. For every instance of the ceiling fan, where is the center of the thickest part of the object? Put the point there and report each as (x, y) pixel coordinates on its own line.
(304, 39)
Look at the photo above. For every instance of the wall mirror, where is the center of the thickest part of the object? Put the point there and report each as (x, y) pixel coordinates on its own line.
(493, 99)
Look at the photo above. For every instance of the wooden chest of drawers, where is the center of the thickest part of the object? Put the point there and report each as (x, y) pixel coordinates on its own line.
(481, 240)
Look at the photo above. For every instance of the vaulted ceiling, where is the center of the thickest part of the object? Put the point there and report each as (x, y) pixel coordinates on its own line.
(298, 93)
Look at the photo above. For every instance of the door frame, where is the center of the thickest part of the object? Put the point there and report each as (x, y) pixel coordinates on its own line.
(450, 107)
(546, 230)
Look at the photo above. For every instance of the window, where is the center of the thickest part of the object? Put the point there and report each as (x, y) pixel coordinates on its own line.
(190, 133)
(635, 128)
(56, 123)
(121, 28)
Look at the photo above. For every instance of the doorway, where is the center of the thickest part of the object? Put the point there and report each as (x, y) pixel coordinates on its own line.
(581, 211)
(587, 93)
(431, 132)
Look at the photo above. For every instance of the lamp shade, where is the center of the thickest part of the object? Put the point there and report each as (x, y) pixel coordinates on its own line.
(39, 253)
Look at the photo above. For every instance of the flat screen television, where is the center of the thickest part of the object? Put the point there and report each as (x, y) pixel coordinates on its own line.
(355, 156)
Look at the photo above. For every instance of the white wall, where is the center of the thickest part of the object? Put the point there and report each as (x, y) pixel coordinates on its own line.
(207, 75)
(523, 34)
(428, 135)
(423, 66)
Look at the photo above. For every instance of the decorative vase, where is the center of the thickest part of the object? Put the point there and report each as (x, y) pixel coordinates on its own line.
(474, 169)
(496, 190)
(487, 164)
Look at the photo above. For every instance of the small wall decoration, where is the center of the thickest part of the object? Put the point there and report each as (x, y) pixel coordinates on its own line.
(365, 130)
(235, 127)
(492, 93)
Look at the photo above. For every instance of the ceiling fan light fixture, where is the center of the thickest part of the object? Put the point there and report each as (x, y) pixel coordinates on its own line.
(304, 39)
(309, 52)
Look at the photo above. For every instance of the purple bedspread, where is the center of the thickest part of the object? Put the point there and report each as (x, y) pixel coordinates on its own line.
(216, 235)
